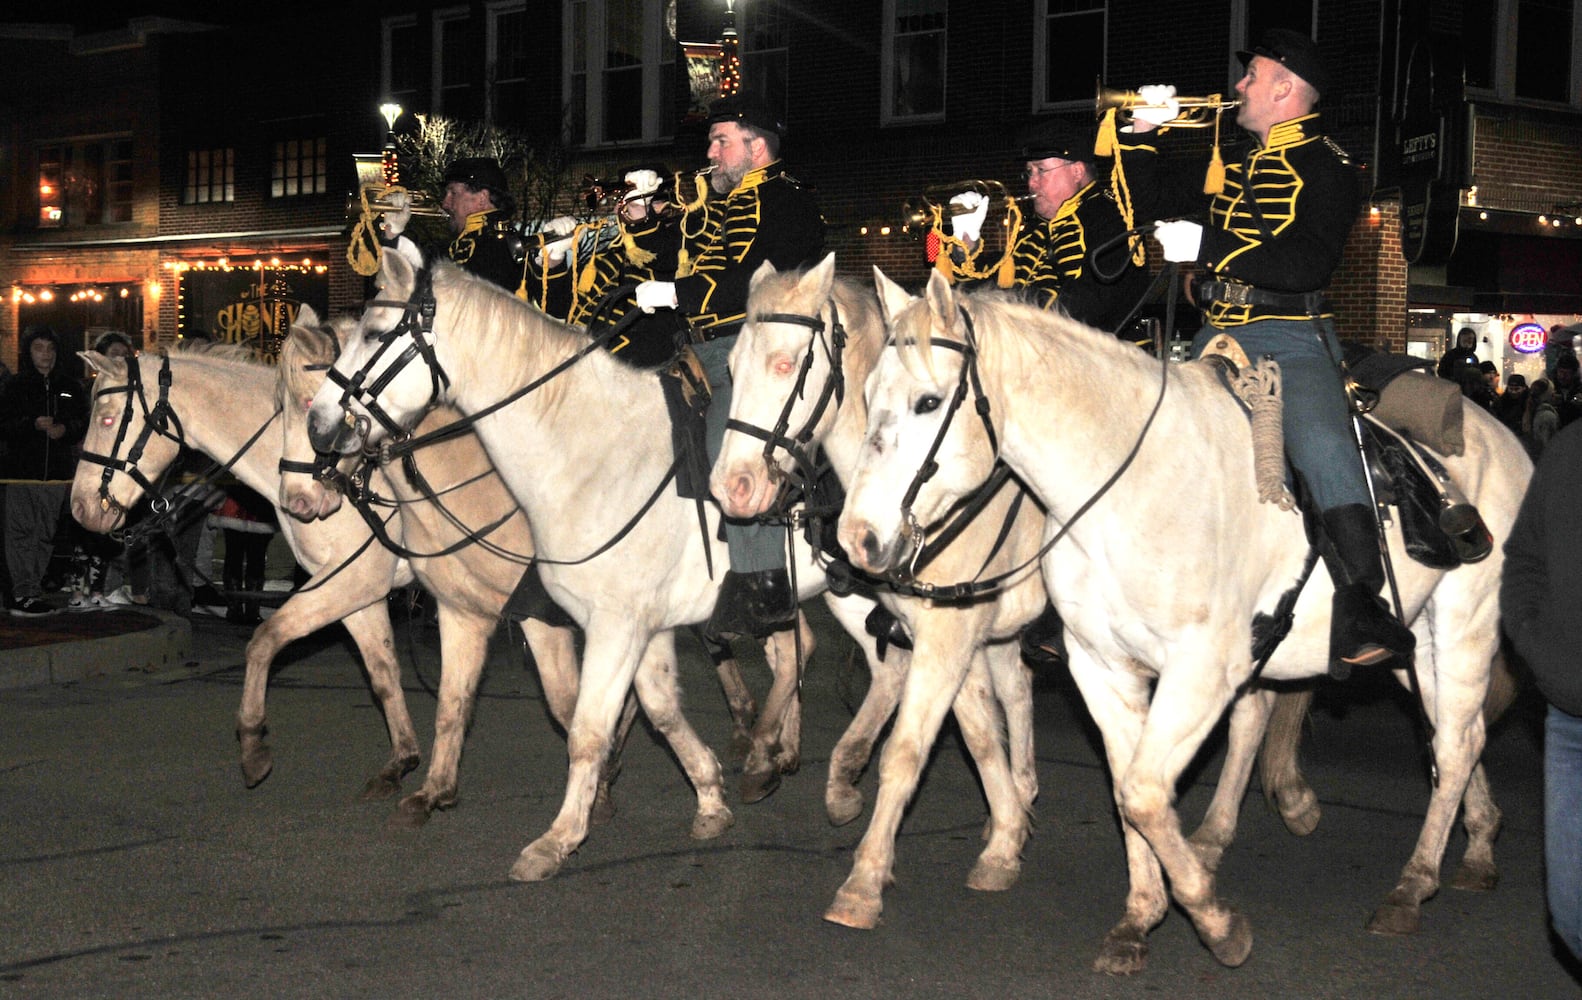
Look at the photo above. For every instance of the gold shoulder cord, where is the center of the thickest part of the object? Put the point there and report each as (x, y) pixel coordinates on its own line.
(1105, 146)
(1003, 270)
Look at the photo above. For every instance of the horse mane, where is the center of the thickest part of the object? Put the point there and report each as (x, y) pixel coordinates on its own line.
(474, 306)
(217, 350)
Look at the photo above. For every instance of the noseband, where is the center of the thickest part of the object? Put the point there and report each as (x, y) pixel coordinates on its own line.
(416, 324)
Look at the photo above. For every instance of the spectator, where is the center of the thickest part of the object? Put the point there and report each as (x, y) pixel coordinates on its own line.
(43, 413)
(1541, 420)
(1491, 375)
(1462, 355)
(1512, 403)
(1568, 388)
(1473, 385)
(1540, 603)
(93, 552)
(248, 521)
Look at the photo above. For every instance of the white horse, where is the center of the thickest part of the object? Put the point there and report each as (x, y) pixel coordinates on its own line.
(587, 454)
(1159, 579)
(802, 331)
(223, 404)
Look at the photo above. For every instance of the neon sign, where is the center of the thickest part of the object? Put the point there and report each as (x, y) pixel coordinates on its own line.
(1528, 338)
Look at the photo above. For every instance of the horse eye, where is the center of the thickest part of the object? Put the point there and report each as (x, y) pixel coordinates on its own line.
(926, 404)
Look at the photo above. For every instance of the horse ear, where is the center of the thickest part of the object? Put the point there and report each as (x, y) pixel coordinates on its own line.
(821, 277)
(941, 301)
(892, 297)
(396, 271)
(95, 360)
(765, 271)
(307, 317)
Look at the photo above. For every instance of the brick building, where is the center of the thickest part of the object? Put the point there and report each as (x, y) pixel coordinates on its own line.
(235, 140)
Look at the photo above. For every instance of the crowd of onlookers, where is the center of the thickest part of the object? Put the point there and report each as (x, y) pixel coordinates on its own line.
(50, 563)
(1532, 412)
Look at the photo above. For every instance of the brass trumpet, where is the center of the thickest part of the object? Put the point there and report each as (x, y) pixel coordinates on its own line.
(920, 208)
(1196, 112)
(378, 198)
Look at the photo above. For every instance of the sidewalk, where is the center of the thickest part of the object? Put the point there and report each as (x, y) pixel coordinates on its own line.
(66, 647)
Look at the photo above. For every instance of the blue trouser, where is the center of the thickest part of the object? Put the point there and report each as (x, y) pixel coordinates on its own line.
(1563, 824)
(753, 547)
(1320, 441)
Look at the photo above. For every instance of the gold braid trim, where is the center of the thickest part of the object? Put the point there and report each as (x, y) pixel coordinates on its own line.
(362, 253)
(1108, 145)
(688, 210)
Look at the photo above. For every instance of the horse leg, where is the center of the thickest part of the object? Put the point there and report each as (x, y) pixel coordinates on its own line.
(738, 696)
(1284, 787)
(609, 664)
(659, 691)
(935, 676)
(1187, 704)
(370, 629)
(776, 748)
(978, 717)
(1013, 689)
(1480, 816)
(842, 799)
(1248, 717)
(1118, 703)
(464, 645)
(1458, 744)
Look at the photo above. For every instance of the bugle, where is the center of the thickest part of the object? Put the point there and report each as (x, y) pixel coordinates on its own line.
(380, 199)
(1196, 112)
(920, 208)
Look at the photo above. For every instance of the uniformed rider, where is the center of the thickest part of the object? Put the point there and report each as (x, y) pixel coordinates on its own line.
(1272, 239)
(757, 212)
(480, 208)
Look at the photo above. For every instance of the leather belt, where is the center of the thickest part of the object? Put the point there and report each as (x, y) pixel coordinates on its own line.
(1237, 294)
(709, 333)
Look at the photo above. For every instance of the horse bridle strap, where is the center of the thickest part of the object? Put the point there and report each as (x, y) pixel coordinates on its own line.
(834, 389)
(416, 323)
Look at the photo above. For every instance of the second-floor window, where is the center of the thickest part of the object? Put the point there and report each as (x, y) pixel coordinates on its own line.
(1070, 51)
(765, 52)
(300, 167)
(508, 45)
(455, 65)
(1522, 50)
(914, 59)
(211, 177)
(401, 61)
(619, 71)
(85, 183)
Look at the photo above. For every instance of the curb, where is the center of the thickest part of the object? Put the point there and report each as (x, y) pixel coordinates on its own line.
(160, 647)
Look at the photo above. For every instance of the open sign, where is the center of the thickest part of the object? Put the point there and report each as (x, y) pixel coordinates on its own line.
(1528, 338)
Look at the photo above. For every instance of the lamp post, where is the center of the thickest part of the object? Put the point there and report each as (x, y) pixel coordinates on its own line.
(388, 163)
(730, 53)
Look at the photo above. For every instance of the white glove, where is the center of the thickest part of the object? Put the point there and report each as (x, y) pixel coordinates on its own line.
(555, 251)
(394, 219)
(1179, 240)
(643, 182)
(560, 225)
(1159, 104)
(974, 209)
(653, 295)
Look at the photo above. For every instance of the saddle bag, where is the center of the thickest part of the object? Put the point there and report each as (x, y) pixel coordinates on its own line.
(687, 399)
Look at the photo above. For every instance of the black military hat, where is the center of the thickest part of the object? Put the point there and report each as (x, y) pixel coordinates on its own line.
(746, 110)
(1052, 137)
(479, 172)
(1293, 50)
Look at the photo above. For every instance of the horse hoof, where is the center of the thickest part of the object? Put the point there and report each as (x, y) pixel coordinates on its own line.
(256, 767)
(850, 910)
(410, 813)
(381, 786)
(788, 763)
(1301, 815)
(1233, 949)
(759, 785)
(1122, 955)
(536, 863)
(1395, 919)
(707, 826)
(988, 876)
(1471, 877)
(842, 803)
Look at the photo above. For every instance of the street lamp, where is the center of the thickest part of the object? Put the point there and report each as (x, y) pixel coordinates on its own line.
(730, 53)
(387, 161)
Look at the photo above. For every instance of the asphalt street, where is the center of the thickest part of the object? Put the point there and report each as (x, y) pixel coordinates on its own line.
(137, 865)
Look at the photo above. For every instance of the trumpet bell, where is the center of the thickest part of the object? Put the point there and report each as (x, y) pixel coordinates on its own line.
(1196, 112)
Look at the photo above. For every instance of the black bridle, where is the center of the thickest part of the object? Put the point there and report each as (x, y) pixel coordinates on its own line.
(158, 420)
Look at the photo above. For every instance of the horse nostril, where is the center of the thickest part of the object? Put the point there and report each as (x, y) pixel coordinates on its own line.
(871, 551)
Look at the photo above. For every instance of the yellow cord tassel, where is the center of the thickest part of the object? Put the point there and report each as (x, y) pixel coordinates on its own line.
(1214, 179)
(1013, 231)
(1104, 143)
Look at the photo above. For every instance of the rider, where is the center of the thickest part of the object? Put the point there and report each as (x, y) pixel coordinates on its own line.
(479, 205)
(1052, 268)
(758, 213)
(1272, 239)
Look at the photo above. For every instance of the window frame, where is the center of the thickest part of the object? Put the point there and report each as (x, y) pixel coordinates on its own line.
(887, 70)
(1042, 17)
(657, 67)
(1507, 55)
(442, 19)
(407, 96)
(493, 12)
(280, 179)
(191, 187)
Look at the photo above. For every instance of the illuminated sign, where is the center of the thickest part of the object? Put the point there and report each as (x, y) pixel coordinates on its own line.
(1528, 338)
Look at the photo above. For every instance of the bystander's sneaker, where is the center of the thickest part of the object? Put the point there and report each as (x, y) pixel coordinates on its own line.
(31, 607)
(123, 596)
(81, 602)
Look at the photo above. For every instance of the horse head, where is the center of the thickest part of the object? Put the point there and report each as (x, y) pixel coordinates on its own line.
(129, 440)
(372, 389)
(786, 372)
(919, 456)
(305, 356)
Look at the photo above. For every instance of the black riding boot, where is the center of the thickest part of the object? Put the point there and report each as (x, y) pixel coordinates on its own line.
(1363, 631)
(234, 610)
(1043, 639)
(753, 604)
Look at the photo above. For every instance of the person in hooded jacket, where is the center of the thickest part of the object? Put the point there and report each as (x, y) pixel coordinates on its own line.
(43, 414)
